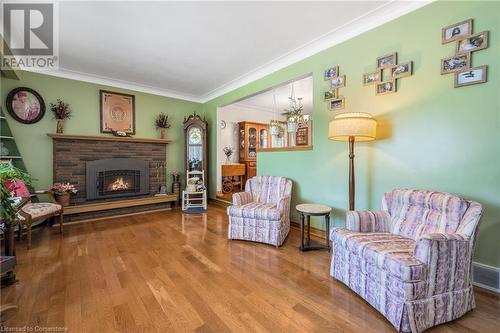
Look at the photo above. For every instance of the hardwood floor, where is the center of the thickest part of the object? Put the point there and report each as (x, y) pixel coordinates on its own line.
(169, 272)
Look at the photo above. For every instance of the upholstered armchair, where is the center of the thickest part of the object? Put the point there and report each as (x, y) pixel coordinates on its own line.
(412, 259)
(262, 212)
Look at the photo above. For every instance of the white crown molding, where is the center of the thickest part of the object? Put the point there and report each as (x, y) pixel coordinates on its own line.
(377, 17)
(102, 80)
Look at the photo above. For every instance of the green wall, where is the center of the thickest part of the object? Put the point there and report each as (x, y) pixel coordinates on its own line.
(431, 135)
(36, 147)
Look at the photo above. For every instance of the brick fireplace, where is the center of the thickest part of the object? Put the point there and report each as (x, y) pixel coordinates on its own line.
(106, 169)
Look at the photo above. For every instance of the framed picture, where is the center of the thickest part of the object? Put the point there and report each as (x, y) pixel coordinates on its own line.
(471, 76)
(455, 63)
(387, 87)
(25, 105)
(338, 82)
(387, 60)
(372, 78)
(337, 104)
(472, 43)
(456, 31)
(331, 72)
(402, 70)
(117, 112)
(331, 94)
(301, 137)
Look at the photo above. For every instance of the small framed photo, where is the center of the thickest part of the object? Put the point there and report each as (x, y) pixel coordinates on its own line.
(456, 31)
(338, 82)
(337, 104)
(472, 43)
(471, 76)
(455, 63)
(332, 72)
(387, 61)
(402, 70)
(387, 87)
(372, 78)
(117, 112)
(331, 94)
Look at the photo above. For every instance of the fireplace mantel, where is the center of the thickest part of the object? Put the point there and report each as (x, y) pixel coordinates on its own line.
(56, 136)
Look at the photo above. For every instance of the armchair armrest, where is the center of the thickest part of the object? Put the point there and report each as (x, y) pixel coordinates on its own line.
(50, 194)
(242, 198)
(284, 204)
(367, 221)
(448, 259)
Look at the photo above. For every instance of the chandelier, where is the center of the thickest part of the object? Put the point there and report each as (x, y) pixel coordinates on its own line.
(295, 117)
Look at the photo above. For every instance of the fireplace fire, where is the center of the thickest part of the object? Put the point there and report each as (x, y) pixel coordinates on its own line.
(118, 185)
(117, 177)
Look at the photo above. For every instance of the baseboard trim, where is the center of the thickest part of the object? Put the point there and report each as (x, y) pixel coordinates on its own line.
(315, 232)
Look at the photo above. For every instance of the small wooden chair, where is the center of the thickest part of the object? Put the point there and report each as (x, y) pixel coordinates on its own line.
(191, 197)
(34, 212)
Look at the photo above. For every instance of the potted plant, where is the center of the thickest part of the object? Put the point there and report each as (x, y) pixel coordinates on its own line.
(62, 192)
(8, 175)
(162, 124)
(61, 112)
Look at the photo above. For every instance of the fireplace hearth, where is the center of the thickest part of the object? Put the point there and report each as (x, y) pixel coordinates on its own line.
(116, 177)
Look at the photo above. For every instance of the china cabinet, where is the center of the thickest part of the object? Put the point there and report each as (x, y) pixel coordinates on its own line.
(252, 136)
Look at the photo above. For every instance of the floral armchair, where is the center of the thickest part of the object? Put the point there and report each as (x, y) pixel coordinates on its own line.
(262, 212)
(412, 259)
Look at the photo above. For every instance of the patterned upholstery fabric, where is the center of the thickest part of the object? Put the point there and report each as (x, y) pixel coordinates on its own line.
(262, 212)
(40, 209)
(411, 260)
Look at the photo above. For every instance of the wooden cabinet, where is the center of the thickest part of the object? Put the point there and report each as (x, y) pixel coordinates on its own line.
(252, 136)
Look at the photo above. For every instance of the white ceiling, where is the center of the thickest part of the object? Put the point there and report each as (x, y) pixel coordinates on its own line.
(199, 50)
(265, 100)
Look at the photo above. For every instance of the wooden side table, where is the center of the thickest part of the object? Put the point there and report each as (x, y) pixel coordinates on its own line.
(306, 211)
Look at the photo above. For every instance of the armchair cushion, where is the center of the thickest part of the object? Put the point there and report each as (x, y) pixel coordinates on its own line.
(367, 221)
(255, 210)
(388, 252)
(41, 209)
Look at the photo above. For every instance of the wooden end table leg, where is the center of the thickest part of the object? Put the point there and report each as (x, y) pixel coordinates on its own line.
(327, 230)
(301, 231)
(61, 219)
(308, 230)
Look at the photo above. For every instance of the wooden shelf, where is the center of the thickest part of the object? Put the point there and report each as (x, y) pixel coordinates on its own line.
(6, 137)
(7, 157)
(294, 148)
(2, 117)
(86, 208)
(56, 136)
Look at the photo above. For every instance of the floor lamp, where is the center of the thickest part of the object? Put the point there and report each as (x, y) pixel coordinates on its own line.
(350, 127)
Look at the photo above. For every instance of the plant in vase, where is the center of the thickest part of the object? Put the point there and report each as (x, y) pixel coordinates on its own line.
(61, 112)
(228, 151)
(9, 174)
(62, 192)
(162, 124)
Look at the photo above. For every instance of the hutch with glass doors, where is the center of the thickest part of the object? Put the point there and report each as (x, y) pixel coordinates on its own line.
(252, 136)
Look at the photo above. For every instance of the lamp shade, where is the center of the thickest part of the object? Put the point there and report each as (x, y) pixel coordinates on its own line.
(360, 126)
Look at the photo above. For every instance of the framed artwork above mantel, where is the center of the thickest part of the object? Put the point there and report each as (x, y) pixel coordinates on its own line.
(117, 112)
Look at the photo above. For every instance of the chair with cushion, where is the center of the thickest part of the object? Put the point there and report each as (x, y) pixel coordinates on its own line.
(412, 259)
(262, 212)
(34, 213)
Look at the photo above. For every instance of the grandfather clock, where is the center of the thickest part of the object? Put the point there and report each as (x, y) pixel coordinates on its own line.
(195, 144)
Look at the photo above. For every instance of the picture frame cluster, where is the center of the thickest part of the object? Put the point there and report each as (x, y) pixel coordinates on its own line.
(461, 63)
(389, 63)
(337, 81)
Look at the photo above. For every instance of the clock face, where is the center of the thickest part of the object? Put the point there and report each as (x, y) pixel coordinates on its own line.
(222, 124)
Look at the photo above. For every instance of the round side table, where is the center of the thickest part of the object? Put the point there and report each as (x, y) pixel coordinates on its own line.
(306, 211)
